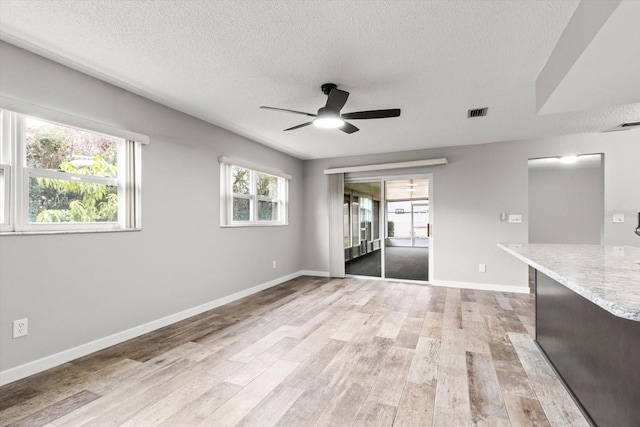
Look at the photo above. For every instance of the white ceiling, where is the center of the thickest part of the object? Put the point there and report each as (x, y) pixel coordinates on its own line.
(221, 60)
(596, 61)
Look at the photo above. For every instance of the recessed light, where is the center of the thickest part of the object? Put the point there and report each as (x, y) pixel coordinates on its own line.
(569, 159)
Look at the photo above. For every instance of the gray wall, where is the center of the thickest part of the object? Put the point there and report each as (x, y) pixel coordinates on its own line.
(566, 205)
(76, 288)
(469, 193)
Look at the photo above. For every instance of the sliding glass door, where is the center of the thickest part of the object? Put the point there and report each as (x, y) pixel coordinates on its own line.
(386, 228)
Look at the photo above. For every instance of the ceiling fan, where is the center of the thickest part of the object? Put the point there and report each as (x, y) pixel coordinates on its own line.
(329, 116)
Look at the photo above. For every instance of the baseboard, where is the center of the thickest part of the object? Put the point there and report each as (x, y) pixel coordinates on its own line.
(48, 362)
(481, 286)
(314, 273)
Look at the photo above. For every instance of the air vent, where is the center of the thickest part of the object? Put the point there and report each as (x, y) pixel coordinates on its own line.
(477, 112)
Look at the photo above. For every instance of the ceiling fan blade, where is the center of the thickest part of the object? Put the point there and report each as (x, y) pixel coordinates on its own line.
(289, 111)
(373, 114)
(348, 128)
(299, 126)
(337, 99)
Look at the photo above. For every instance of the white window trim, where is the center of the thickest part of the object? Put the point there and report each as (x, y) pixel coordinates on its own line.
(17, 177)
(227, 195)
(5, 165)
(5, 193)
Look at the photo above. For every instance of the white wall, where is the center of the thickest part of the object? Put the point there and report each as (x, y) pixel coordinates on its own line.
(566, 205)
(77, 288)
(469, 193)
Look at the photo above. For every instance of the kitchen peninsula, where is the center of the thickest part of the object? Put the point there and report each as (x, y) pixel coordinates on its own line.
(588, 323)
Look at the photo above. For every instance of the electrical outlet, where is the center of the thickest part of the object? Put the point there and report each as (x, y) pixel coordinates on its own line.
(618, 218)
(482, 268)
(20, 328)
(274, 263)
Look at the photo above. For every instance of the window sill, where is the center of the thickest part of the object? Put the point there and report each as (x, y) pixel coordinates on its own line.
(37, 233)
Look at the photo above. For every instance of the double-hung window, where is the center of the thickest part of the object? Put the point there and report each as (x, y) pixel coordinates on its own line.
(252, 195)
(59, 177)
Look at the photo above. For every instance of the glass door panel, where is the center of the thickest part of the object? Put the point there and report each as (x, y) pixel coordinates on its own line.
(420, 225)
(363, 255)
(406, 251)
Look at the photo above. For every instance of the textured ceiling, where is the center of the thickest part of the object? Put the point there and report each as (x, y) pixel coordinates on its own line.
(221, 60)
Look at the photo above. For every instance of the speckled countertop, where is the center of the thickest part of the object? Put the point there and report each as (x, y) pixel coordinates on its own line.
(608, 276)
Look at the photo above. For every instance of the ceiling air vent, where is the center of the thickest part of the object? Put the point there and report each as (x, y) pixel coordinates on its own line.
(477, 112)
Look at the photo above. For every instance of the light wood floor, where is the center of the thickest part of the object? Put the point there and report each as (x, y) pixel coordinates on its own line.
(315, 351)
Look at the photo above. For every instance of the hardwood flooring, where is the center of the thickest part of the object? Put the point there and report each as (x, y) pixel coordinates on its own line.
(315, 351)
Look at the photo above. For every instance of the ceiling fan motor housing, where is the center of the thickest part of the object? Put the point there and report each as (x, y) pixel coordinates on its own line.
(324, 111)
(328, 87)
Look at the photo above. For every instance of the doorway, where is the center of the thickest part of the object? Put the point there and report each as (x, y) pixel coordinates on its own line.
(387, 228)
(408, 229)
(566, 199)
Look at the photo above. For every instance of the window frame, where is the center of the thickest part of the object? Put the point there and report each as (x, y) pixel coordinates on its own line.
(6, 192)
(5, 195)
(17, 175)
(227, 195)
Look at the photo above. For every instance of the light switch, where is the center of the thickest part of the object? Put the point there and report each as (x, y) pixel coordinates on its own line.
(515, 218)
(618, 217)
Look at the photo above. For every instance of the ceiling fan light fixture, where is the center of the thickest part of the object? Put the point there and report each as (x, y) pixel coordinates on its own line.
(328, 119)
(328, 122)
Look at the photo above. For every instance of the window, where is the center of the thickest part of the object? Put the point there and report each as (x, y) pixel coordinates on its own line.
(56, 177)
(251, 196)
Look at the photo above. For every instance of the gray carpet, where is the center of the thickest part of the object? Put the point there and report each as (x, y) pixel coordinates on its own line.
(366, 265)
(401, 263)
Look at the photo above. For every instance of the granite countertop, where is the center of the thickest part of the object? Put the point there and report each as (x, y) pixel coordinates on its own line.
(608, 276)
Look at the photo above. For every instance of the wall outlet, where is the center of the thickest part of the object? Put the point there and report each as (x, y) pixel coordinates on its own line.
(515, 218)
(20, 328)
(618, 217)
(274, 263)
(482, 268)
